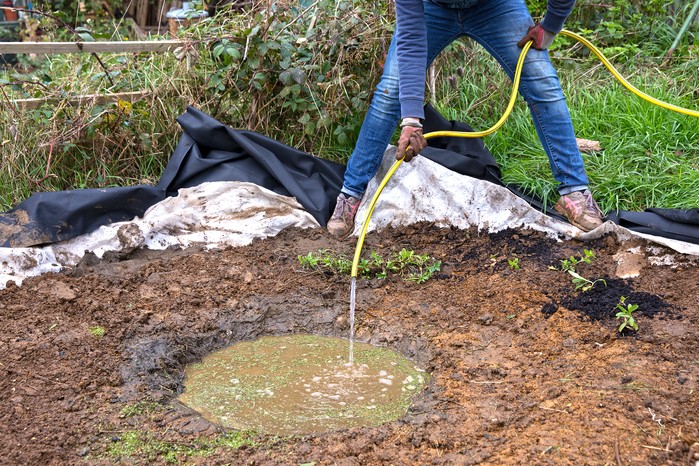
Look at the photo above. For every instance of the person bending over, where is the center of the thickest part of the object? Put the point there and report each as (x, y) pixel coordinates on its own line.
(423, 29)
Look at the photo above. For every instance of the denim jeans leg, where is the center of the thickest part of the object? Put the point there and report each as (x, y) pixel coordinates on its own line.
(378, 126)
(384, 111)
(498, 25)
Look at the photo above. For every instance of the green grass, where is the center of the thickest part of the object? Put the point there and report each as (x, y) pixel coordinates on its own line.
(649, 157)
(139, 409)
(144, 447)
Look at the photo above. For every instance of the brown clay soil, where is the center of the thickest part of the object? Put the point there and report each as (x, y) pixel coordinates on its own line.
(525, 369)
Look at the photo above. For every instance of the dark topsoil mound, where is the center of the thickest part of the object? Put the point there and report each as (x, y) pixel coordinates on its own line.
(526, 369)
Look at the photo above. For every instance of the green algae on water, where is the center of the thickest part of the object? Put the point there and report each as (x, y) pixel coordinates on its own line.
(301, 384)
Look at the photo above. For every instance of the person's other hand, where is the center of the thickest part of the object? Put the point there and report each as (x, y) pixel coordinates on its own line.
(541, 37)
(410, 143)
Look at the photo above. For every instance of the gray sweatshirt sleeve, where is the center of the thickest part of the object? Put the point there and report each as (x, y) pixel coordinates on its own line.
(411, 43)
(556, 14)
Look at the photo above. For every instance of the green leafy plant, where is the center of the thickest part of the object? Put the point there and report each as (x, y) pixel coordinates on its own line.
(96, 331)
(324, 259)
(425, 272)
(299, 66)
(585, 258)
(569, 265)
(513, 263)
(310, 260)
(584, 284)
(405, 263)
(626, 314)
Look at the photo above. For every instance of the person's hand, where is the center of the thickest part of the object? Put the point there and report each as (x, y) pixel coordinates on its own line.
(541, 37)
(410, 143)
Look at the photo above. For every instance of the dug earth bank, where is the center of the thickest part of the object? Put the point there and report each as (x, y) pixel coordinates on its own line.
(525, 368)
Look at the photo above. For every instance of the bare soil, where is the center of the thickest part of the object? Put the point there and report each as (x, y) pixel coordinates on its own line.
(525, 368)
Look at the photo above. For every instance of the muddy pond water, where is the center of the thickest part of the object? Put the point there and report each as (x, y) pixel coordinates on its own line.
(301, 384)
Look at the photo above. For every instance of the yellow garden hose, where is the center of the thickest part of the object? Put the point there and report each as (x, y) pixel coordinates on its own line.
(501, 121)
(623, 81)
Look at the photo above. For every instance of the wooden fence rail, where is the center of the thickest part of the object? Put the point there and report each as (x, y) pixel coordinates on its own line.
(90, 47)
(86, 47)
(76, 100)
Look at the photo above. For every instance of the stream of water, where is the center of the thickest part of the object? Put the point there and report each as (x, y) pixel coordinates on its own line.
(353, 292)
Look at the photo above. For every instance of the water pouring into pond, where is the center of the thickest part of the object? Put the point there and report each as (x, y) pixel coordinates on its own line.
(301, 384)
(353, 293)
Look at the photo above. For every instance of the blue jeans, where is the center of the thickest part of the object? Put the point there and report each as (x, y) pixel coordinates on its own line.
(497, 25)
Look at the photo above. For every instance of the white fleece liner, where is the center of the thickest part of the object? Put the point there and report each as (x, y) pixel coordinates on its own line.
(223, 214)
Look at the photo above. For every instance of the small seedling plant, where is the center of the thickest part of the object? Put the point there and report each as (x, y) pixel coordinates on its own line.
(569, 265)
(513, 263)
(586, 257)
(626, 314)
(405, 263)
(323, 259)
(584, 284)
(96, 331)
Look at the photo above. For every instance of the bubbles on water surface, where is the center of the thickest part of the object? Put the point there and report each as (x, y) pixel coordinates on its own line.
(301, 384)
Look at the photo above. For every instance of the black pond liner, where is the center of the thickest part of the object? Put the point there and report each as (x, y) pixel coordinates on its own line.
(209, 151)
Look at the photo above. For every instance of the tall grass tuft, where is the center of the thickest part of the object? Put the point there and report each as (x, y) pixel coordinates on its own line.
(649, 156)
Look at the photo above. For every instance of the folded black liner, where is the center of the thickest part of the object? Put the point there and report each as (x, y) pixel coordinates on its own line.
(211, 151)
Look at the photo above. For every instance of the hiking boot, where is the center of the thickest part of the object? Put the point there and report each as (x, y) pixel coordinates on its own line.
(580, 210)
(341, 223)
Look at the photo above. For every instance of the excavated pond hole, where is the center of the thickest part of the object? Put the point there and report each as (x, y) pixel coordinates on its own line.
(301, 384)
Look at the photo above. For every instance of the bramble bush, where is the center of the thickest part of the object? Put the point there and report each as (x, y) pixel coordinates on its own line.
(300, 74)
(625, 28)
